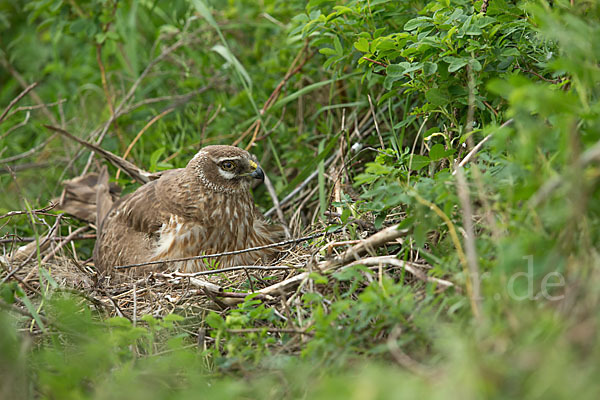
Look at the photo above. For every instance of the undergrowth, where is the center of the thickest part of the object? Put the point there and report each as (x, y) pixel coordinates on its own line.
(474, 129)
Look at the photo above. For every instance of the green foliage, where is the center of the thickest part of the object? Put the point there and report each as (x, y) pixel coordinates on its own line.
(438, 76)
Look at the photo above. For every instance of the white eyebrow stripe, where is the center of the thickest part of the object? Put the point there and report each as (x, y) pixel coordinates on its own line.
(218, 160)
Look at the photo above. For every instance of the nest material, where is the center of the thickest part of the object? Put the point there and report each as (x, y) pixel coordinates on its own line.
(159, 294)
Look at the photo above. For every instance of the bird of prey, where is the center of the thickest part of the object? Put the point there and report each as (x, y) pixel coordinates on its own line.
(204, 208)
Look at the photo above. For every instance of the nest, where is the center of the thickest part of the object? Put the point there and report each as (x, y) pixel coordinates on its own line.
(190, 295)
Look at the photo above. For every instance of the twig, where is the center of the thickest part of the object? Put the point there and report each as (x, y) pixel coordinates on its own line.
(553, 81)
(543, 193)
(24, 84)
(225, 253)
(64, 242)
(384, 65)
(140, 133)
(131, 169)
(299, 188)
(407, 266)
(27, 239)
(478, 146)
(130, 93)
(401, 357)
(236, 268)
(12, 307)
(471, 250)
(375, 122)
(273, 96)
(38, 211)
(277, 206)
(268, 329)
(17, 126)
(25, 167)
(35, 107)
(41, 244)
(349, 255)
(28, 152)
(17, 99)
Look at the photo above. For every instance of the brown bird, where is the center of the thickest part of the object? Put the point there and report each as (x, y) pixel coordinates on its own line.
(204, 208)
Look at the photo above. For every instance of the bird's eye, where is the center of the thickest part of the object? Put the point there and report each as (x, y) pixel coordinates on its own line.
(227, 165)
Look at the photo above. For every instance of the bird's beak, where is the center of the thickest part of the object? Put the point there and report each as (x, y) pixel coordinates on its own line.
(258, 172)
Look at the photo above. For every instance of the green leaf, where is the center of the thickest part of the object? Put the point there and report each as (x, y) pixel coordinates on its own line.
(154, 158)
(345, 215)
(328, 51)
(455, 63)
(417, 23)
(311, 165)
(437, 152)
(173, 318)
(396, 70)
(475, 65)
(437, 97)
(214, 320)
(362, 44)
(227, 55)
(8, 290)
(338, 45)
(418, 162)
(318, 278)
(429, 68)
(119, 321)
(205, 13)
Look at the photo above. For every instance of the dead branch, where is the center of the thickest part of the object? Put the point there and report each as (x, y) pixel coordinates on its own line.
(131, 169)
(17, 99)
(225, 253)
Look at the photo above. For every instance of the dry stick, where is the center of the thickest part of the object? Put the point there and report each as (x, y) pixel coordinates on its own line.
(42, 246)
(267, 329)
(17, 99)
(478, 146)
(230, 269)
(277, 206)
(111, 107)
(471, 250)
(24, 167)
(23, 84)
(64, 242)
(131, 169)
(140, 133)
(375, 122)
(304, 183)
(271, 100)
(225, 253)
(407, 266)
(17, 126)
(130, 94)
(38, 211)
(299, 188)
(590, 155)
(401, 357)
(35, 107)
(349, 255)
(28, 152)
(27, 239)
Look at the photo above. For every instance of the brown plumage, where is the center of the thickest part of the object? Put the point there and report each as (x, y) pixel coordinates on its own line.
(203, 208)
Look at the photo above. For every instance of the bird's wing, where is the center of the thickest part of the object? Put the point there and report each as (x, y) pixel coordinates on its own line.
(143, 211)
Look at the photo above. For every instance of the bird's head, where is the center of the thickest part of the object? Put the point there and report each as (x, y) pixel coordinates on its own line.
(225, 168)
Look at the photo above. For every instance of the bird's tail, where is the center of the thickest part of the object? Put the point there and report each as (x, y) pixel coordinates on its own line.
(89, 197)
